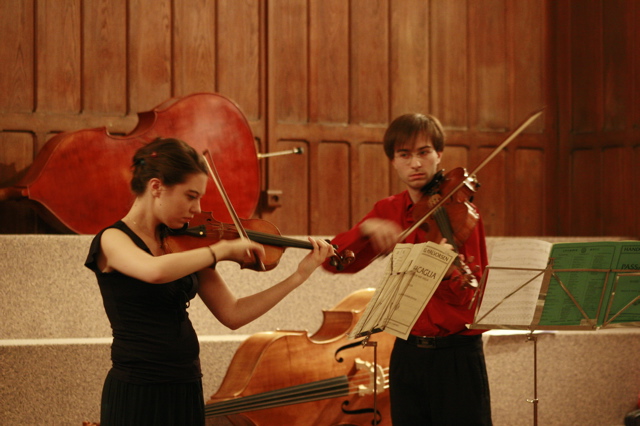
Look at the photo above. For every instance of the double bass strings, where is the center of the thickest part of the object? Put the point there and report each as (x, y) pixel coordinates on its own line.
(323, 389)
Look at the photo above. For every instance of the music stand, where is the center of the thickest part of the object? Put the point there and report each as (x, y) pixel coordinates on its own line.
(544, 288)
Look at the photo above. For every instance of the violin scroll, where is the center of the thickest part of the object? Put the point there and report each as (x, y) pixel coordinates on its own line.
(342, 260)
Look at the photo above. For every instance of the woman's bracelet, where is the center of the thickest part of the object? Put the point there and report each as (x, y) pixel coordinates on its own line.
(215, 258)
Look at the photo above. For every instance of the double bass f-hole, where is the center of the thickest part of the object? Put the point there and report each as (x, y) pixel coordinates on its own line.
(376, 378)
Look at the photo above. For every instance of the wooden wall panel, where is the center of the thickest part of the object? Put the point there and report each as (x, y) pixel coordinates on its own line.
(288, 83)
(617, 70)
(633, 11)
(454, 156)
(635, 201)
(617, 208)
(492, 197)
(585, 217)
(194, 41)
(150, 70)
(586, 65)
(410, 52)
(17, 56)
(329, 63)
(600, 142)
(373, 178)
(58, 63)
(104, 57)
(369, 50)
(290, 175)
(449, 64)
(489, 65)
(528, 176)
(330, 191)
(529, 81)
(240, 52)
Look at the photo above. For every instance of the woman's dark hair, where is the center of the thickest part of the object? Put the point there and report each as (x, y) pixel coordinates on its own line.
(170, 160)
(405, 128)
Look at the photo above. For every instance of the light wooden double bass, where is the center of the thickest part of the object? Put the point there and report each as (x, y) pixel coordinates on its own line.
(293, 378)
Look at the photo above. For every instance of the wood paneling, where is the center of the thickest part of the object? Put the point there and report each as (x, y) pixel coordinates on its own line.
(194, 41)
(104, 56)
(585, 216)
(529, 82)
(527, 192)
(449, 64)
(372, 182)
(617, 70)
(369, 66)
(410, 53)
(290, 176)
(331, 194)
(600, 143)
(17, 56)
(329, 76)
(58, 57)
(489, 66)
(150, 55)
(617, 202)
(288, 71)
(586, 65)
(329, 67)
(240, 52)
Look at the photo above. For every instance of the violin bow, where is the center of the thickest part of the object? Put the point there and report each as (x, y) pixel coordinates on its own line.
(236, 220)
(484, 162)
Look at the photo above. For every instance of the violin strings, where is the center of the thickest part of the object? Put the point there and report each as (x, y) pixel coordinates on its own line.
(263, 237)
(277, 240)
(323, 389)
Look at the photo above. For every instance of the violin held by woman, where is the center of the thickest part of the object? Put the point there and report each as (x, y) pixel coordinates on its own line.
(155, 376)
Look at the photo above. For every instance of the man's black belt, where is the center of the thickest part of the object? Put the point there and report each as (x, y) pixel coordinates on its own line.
(438, 342)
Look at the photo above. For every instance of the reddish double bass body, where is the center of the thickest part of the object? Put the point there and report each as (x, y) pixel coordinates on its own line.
(79, 181)
(291, 378)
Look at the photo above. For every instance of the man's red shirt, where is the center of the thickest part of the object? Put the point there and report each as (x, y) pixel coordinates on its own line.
(448, 310)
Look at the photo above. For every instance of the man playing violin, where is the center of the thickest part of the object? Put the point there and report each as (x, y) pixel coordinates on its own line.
(438, 375)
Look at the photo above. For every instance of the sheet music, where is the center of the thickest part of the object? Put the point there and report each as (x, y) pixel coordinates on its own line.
(411, 277)
(385, 293)
(519, 306)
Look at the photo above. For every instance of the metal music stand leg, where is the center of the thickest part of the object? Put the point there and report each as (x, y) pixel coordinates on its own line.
(375, 379)
(534, 401)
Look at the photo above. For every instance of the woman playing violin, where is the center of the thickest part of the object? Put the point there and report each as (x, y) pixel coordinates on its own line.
(438, 375)
(155, 377)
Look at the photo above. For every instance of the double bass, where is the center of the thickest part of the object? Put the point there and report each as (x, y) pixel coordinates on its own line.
(293, 378)
(79, 181)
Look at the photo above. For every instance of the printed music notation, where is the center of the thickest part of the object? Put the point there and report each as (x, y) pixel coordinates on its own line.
(412, 274)
(532, 283)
